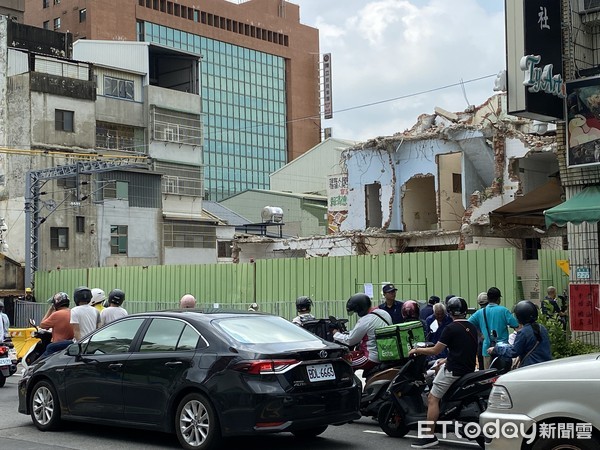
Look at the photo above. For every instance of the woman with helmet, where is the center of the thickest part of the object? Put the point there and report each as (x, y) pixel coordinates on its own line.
(114, 310)
(58, 317)
(303, 307)
(532, 343)
(460, 338)
(363, 333)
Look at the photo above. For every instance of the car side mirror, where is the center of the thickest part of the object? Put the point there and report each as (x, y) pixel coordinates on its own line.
(74, 350)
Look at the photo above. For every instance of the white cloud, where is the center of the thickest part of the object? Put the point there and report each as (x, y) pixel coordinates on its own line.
(384, 49)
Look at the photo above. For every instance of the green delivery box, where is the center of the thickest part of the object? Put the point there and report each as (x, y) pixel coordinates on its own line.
(394, 341)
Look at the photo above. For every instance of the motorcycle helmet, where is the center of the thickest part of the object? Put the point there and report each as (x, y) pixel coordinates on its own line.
(457, 306)
(188, 301)
(410, 310)
(116, 296)
(60, 299)
(526, 312)
(82, 295)
(303, 303)
(98, 296)
(359, 304)
(253, 307)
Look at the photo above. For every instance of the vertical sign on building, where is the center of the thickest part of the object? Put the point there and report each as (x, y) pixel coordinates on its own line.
(337, 202)
(536, 89)
(328, 101)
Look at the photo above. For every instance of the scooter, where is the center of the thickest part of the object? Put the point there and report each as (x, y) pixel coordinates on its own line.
(323, 327)
(8, 361)
(405, 402)
(34, 352)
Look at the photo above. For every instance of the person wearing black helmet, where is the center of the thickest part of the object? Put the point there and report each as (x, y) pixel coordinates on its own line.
(114, 310)
(303, 307)
(427, 310)
(58, 317)
(84, 317)
(363, 333)
(532, 343)
(460, 338)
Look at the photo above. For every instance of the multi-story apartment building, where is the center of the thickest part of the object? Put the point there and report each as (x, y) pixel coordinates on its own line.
(257, 76)
(112, 164)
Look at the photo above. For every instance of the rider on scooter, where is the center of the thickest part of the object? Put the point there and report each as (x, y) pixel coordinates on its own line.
(363, 332)
(460, 337)
(303, 306)
(58, 318)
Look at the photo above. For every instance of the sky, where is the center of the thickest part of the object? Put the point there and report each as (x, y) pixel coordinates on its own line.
(392, 52)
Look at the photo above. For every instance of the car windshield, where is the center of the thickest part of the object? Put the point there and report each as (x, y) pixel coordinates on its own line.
(258, 329)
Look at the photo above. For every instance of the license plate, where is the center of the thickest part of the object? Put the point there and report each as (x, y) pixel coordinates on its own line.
(320, 372)
(5, 362)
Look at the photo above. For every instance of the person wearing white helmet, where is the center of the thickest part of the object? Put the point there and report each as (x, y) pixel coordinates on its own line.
(98, 297)
(188, 301)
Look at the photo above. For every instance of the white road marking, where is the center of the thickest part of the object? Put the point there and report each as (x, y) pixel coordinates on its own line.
(447, 441)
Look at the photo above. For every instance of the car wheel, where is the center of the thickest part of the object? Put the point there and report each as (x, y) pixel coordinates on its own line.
(44, 406)
(2, 380)
(310, 432)
(391, 421)
(196, 423)
(570, 444)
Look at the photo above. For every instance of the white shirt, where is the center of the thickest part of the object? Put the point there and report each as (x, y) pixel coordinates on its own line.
(87, 317)
(366, 325)
(2, 330)
(112, 313)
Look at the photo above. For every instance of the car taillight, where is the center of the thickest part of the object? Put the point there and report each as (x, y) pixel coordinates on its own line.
(266, 366)
(3, 350)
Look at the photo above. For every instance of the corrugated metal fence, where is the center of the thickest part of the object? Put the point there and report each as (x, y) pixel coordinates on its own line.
(416, 275)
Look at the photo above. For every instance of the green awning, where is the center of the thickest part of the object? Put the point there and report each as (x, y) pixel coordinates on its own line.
(582, 207)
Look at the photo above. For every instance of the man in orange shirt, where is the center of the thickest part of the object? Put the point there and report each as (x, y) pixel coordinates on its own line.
(58, 317)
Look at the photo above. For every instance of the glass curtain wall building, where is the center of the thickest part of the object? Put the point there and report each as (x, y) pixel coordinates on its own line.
(244, 104)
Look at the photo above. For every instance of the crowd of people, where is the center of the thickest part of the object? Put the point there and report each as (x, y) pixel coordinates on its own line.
(461, 345)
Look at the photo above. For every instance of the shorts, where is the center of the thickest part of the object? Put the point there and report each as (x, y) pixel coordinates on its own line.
(442, 382)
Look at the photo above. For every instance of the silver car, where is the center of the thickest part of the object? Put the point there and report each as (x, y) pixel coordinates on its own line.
(552, 405)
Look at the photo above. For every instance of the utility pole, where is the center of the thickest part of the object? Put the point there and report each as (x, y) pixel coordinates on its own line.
(33, 183)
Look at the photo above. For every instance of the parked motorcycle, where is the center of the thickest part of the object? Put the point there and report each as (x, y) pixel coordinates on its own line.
(34, 352)
(405, 403)
(8, 361)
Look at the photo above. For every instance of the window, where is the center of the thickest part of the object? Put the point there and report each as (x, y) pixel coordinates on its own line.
(118, 190)
(80, 224)
(67, 183)
(57, 2)
(224, 249)
(115, 338)
(45, 3)
(181, 234)
(167, 335)
(118, 239)
(531, 247)
(456, 183)
(56, 23)
(63, 120)
(46, 25)
(59, 238)
(114, 87)
(82, 15)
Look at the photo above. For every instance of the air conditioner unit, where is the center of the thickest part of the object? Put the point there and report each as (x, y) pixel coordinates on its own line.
(586, 6)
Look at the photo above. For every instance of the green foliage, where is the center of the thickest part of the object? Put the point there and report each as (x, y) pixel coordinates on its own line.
(562, 343)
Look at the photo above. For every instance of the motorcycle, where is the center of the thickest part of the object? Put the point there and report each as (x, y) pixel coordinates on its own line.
(323, 327)
(44, 339)
(405, 402)
(8, 361)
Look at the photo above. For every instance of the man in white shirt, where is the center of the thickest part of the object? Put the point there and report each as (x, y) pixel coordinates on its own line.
(84, 317)
(115, 311)
(5, 322)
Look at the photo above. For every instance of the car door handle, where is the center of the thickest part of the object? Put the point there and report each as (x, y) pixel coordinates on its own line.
(115, 367)
(173, 363)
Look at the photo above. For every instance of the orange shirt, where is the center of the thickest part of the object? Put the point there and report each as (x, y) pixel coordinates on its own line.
(60, 322)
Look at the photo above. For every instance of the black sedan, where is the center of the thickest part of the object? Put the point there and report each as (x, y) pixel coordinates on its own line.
(203, 376)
